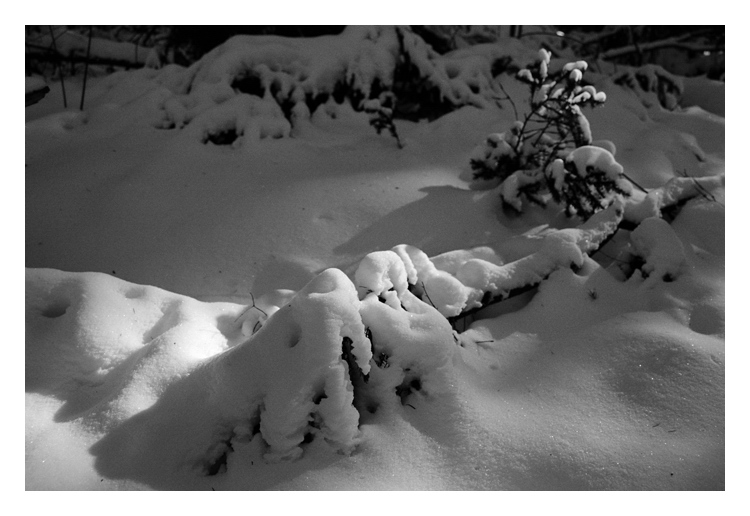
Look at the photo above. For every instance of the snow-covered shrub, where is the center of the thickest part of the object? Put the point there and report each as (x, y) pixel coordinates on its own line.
(388, 72)
(412, 342)
(549, 150)
(381, 115)
(287, 384)
(653, 85)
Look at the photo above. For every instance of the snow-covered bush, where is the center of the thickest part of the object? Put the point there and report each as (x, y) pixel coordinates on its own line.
(381, 115)
(549, 150)
(387, 72)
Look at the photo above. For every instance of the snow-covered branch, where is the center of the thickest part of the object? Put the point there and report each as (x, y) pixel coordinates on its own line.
(475, 278)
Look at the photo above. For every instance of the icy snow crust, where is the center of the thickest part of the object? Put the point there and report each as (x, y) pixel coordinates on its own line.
(353, 365)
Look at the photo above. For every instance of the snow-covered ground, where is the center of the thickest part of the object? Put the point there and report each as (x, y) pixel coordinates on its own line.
(238, 317)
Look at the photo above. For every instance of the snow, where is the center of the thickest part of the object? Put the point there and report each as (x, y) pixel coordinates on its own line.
(442, 290)
(35, 84)
(655, 241)
(590, 157)
(284, 312)
(380, 273)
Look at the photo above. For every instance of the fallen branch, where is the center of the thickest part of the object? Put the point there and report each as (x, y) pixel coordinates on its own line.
(593, 235)
(560, 248)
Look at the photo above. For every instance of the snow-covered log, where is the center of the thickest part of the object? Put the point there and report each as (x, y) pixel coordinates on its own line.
(70, 45)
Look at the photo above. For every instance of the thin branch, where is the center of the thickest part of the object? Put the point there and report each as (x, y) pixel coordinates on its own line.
(59, 68)
(702, 190)
(428, 296)
(636, 184)
(86, 68)
(508, 97)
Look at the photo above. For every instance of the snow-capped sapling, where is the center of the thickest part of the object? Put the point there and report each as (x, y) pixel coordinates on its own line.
(381, 114)
(548, 151)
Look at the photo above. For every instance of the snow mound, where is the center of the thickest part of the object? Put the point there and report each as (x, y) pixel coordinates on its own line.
(658, 245)
(288, 384)
(175, 387)
(76, 353)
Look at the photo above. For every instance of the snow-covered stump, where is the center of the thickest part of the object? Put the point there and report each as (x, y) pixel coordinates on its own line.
(287, 384)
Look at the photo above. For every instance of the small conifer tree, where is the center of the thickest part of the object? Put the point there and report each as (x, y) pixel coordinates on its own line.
(548, 151)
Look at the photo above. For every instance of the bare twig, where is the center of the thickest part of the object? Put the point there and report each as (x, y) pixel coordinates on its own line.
(428, 296)
(702, 190)
(636, 184)
(509, 99)
(250, 308)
